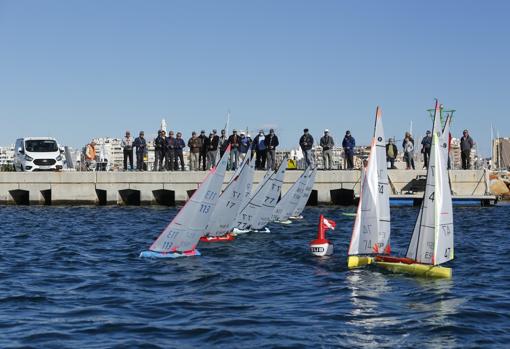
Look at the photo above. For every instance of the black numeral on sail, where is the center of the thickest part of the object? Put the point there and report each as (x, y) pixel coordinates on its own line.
(431, 197)
(381, 189)
(205, 208)
(447, 252)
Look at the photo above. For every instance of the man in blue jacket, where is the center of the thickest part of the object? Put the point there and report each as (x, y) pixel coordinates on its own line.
(141, 149)
(348, 144)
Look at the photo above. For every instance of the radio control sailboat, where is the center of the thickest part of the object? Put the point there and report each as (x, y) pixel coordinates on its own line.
(371, 231)
(432, 241)
(182, 235)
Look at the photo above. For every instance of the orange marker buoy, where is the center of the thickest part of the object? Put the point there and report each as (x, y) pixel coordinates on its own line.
(321, 246)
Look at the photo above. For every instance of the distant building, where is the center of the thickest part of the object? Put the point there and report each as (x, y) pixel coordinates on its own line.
(501, 153)
(7, 156)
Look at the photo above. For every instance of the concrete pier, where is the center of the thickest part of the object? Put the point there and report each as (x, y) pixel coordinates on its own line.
(169, 188)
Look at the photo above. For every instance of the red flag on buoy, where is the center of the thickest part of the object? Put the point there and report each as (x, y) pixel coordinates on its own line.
(328, 223)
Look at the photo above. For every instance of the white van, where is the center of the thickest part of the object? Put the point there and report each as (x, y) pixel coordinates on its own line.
(37, 154)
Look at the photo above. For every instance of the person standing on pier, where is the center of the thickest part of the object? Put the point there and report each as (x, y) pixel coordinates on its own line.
(170, 151)
(426, 145)
(233, 140)
(203, 150)
(127, 149)
(466, 144)
(179, 147)
(260, 150)
(408, 145)
(244, 145)
(195, 145)
(212, 149)
(159, 150)
(348, 144)
(306, 144)
(141, 149)
(271, 142)
(391, 153)
(327, 143)
(223, 143)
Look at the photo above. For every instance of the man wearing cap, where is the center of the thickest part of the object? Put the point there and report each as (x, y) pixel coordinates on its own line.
(348, 144)
(327, 144)
(203, 150)
(233, 140)
(271, 142)
(159, 150)
(141, 149)
(195, 145)
(306, 144)
(127, 148)
(426, 145)
(466, 144)
(259, 143)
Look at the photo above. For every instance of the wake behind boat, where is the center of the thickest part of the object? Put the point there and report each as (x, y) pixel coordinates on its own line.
(432, 240)
(181, 236)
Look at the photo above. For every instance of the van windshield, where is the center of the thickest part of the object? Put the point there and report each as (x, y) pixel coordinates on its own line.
(41, 146)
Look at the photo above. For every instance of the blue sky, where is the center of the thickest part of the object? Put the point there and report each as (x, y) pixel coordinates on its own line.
(81, 69)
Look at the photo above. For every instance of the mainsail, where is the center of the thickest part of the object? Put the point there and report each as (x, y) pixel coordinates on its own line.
(226, 210)
(289, 202)
(432, 240)
(371, 232)
(256, 213)
(306, 194)
(185, 230)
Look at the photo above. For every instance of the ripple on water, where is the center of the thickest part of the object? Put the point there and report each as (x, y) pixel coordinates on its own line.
(73, 277)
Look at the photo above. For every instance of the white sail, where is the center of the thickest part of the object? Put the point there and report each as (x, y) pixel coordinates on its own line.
(306, 194)
(267, 205)
(289, 202)
(432, 240)
(257, 211)
(185, 230)
(371, 231)
(226, 210)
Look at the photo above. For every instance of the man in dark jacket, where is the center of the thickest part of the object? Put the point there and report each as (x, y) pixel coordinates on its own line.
(348, 144)
(466, 144)
(179, 147)
(259, 143)
(306, 144)
(141, 149)
(223, 143)
(234, 141)
(159, 151)
(271, 142)
(426, 145)
(203, 150)
(391, 153)
(170, 151)
(327, 143)
(212, 149)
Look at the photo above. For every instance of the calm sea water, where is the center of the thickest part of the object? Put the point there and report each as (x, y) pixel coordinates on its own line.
(70, 277)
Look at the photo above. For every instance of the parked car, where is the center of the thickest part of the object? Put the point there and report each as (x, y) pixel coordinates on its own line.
(37, 154)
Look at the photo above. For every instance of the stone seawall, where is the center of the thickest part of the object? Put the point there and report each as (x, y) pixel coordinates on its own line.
(169, 188)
